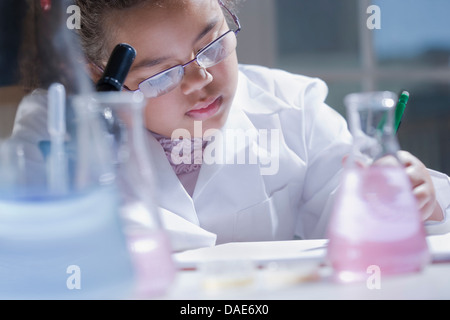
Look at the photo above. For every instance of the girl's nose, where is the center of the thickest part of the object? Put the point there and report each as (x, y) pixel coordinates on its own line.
(195, 78)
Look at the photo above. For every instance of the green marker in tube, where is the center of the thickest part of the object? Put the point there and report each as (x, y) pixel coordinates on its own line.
(400, 108)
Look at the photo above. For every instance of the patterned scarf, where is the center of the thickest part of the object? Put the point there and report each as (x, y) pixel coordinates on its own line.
(189, 162)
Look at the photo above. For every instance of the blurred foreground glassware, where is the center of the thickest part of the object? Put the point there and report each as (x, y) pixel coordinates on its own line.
(376, 221)
(60, 230)
(148, 242)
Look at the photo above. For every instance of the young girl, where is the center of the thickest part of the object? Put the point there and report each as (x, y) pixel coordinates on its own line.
(275, 174)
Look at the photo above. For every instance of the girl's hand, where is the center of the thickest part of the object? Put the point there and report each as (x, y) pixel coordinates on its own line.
(423, 188)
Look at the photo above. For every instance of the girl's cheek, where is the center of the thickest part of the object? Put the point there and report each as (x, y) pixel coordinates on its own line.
(152, 114)
(158, 115)
(230, 71)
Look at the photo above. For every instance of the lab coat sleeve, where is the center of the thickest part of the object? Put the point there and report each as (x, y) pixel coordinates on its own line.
(30, 127)
(316, 136)
(441, 184)
(30, 124)
(185, 235)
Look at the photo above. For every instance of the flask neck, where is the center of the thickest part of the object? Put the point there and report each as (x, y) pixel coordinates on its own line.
(133, 157)
(372, 128)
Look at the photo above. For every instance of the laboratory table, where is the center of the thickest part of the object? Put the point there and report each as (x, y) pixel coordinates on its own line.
(297, 270)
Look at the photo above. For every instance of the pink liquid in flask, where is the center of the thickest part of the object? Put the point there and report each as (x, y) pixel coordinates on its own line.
(376, 222)
(154, 268)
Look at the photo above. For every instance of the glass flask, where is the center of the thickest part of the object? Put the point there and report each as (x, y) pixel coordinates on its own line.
(148, 242)
(61, 234)
(375, 221)
(60, 231)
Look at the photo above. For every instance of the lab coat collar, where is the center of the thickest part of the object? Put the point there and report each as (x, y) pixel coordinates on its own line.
(263, 102)
(176, 200)
(249, 99)
(237, 122)
(184, 205)
(269, 91)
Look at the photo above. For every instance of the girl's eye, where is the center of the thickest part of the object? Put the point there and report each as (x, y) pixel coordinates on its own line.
(212, 36)
(161, 80)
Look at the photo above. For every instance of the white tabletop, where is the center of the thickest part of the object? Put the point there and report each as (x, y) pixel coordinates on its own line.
(296, 270)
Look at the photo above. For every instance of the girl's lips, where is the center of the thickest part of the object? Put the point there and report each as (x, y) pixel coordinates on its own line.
(206, 110)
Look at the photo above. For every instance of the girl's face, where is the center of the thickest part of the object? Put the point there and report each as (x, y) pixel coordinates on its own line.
(169, 35)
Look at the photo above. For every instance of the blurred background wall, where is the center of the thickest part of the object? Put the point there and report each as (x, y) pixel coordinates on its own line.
(327, 39)
(330, 39)
(11, 18)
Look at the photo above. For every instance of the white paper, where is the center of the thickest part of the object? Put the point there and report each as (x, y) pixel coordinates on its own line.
(439, 246)
(278, 251)
(258, 252)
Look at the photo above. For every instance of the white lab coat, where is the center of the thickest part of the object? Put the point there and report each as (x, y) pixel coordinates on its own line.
(236, 202)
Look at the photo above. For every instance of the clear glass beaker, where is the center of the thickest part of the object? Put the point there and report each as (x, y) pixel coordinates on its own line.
(376, 220)
(147, 240)
(60, 231)
(61, 235)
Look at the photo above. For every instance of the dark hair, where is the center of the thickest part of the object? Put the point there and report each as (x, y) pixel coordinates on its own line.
(50, 52)
(94, 13)
(40, 26)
